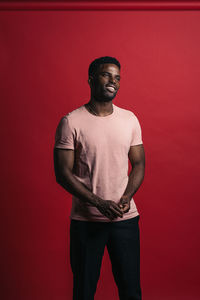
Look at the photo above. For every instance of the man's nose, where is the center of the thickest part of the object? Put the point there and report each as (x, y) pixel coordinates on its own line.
(112, 79)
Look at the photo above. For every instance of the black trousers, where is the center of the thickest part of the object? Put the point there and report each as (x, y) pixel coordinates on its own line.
(87, 244)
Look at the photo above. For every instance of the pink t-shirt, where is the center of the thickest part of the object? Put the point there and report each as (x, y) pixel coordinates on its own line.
(101, 146)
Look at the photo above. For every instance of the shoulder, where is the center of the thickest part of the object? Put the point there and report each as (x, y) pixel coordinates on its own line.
(74, 117)
(70, 120)
(127, 114)
(75, 114)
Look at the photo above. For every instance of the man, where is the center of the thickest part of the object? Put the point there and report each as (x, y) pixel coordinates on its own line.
(92, 146)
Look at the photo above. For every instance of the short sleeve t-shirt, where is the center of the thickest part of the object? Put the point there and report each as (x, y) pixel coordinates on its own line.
(101, 146)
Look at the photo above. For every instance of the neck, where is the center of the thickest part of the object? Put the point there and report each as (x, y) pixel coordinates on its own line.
(101, 108)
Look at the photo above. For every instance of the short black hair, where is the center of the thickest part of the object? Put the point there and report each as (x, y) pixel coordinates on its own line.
(93, 67)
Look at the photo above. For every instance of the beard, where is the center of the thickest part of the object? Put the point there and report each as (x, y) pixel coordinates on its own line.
(104, 99)
(104, 96)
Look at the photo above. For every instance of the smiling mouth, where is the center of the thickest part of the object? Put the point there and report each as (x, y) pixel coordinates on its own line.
(110, 89)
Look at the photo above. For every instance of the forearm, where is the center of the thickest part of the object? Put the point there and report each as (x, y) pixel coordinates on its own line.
(136, 177)
(70, 183)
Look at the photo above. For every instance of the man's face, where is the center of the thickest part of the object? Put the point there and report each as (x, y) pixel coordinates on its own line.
(105, 84)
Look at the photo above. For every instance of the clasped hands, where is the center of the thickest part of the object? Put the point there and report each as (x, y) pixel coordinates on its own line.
(112, 209)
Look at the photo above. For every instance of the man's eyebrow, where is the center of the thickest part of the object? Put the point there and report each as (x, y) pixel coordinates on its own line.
(109, 73)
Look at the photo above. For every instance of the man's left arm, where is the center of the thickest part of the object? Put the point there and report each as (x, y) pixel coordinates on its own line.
(137, 158)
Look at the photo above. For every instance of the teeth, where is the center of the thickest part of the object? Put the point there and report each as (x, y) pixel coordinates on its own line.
(110, 88)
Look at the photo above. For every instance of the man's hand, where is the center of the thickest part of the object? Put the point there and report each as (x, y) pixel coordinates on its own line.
(124, 204)
(109, 208)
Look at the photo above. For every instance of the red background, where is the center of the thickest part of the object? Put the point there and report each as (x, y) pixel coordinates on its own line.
(44, 58)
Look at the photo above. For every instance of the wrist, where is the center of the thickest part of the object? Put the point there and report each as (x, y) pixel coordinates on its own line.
(127, 197)
(95, 200)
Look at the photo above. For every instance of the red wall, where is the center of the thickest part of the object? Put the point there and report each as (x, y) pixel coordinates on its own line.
(44, 58)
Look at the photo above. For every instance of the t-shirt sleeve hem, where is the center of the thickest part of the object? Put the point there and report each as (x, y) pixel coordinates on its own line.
(64, 147)
(137, 143)
(65, 136)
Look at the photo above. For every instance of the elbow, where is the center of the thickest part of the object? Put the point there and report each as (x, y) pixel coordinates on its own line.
(58, 180)
(139, 165)
(58, 177)
(139, 168)
(62, 179)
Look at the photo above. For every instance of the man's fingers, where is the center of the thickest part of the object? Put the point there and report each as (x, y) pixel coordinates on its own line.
(110, 215)
(125, 208)
(111, 209)
(116, 207)
(117, 212)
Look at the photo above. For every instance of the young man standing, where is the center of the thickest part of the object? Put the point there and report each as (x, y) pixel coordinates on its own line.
(92, 146)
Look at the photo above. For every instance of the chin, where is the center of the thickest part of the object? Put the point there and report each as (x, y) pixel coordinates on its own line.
(105, 98)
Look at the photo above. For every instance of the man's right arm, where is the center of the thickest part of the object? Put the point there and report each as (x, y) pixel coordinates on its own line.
(63, 167)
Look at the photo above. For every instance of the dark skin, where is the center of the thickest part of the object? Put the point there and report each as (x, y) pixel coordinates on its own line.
(101, 98)
(101, 102)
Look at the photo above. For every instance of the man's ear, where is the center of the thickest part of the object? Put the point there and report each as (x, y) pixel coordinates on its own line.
(90, 80)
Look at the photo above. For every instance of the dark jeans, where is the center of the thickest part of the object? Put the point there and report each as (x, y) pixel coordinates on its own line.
(87, 243)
